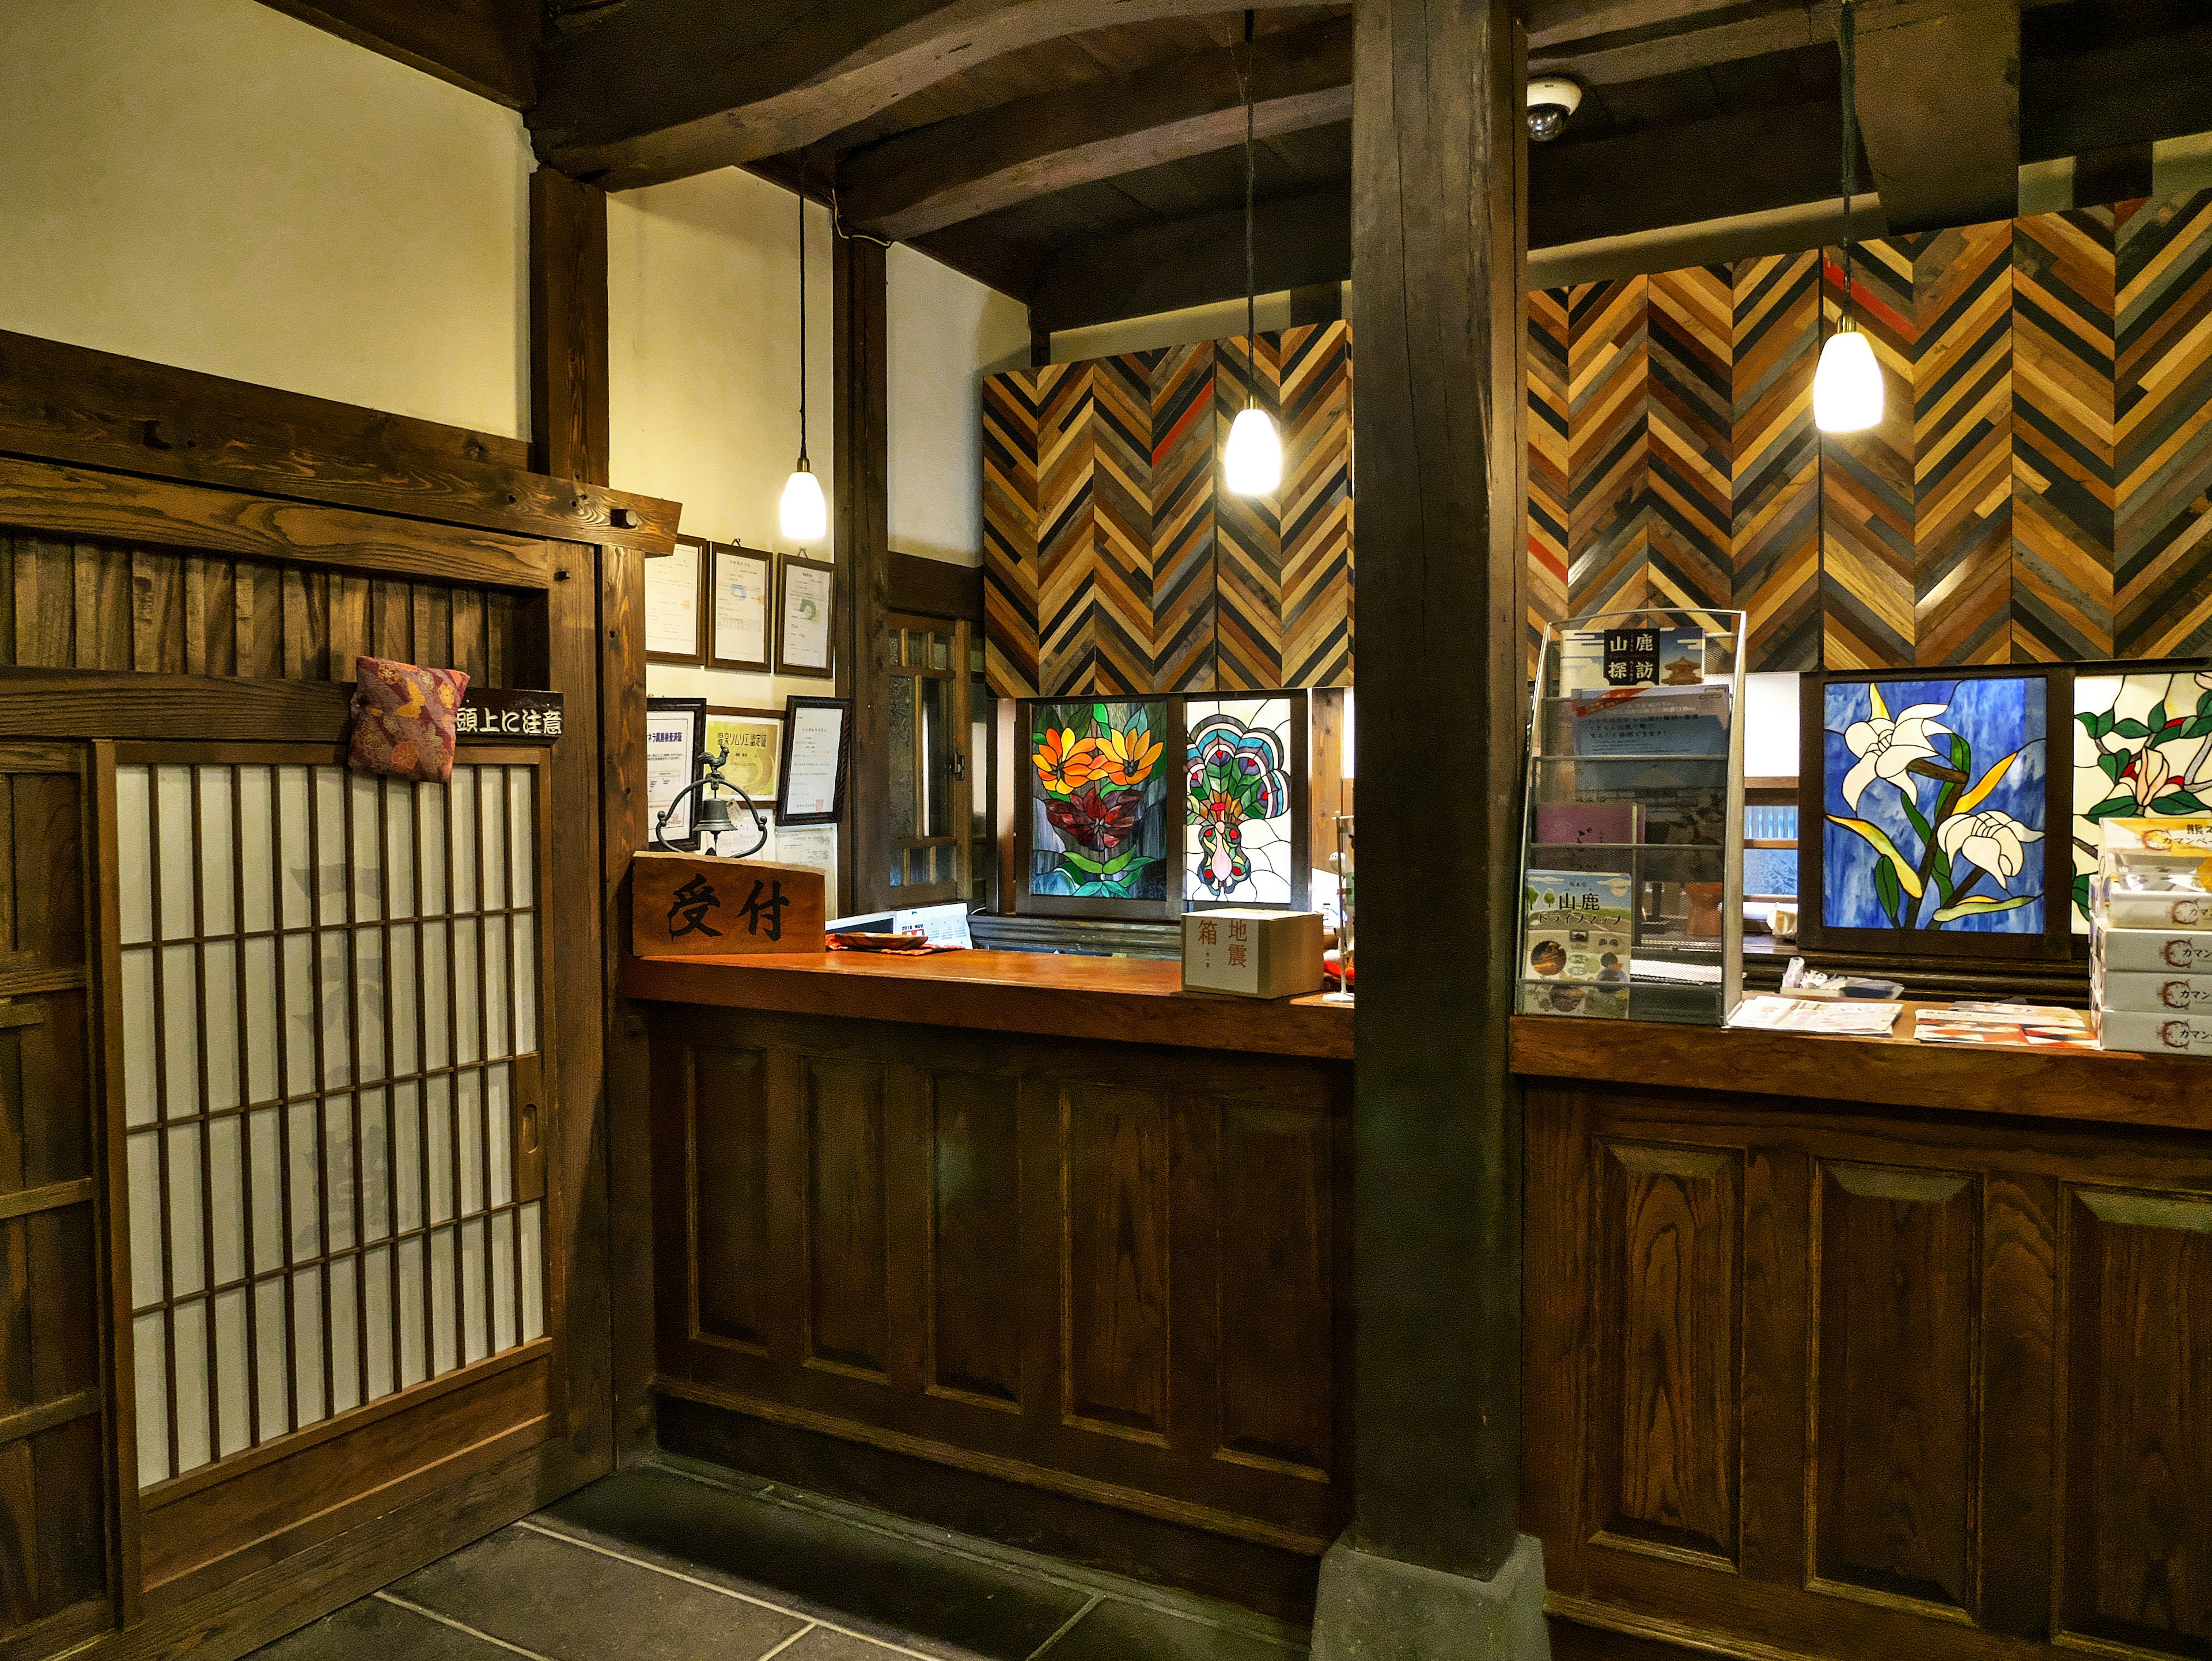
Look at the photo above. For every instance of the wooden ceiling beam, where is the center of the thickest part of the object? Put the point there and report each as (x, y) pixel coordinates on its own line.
(1939, 110)
(487, 47)
(1640, 181)
(661, 89)
(939, 175)
(1299, 240)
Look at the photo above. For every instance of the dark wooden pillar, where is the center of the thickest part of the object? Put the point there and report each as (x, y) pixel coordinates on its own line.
(1438, 260)
(863, 544)
(568, 440)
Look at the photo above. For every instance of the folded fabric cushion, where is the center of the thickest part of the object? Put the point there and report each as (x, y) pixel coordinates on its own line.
(403, 719)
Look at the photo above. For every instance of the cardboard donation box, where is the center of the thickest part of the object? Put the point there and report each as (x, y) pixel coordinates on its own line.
(1255, 954)
(686, 905)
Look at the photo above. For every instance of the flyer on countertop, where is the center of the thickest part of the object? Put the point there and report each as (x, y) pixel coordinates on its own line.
(1842, 1018)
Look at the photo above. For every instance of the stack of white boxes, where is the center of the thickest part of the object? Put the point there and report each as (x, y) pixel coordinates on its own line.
(2150, 945)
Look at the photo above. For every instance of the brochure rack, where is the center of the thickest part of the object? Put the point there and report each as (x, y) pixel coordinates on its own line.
(1632, 846)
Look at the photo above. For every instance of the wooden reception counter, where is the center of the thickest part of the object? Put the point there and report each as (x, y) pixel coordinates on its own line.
(1040, 1247)
(1843, 1348)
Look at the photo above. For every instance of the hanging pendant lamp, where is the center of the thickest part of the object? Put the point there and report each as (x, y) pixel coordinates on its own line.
(1252, 460)
(802, 515)
(1847, 394)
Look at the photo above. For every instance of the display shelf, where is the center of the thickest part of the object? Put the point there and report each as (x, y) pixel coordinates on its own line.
(1633, 834)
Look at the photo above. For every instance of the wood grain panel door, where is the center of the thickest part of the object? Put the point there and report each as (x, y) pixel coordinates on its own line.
(57, 1546)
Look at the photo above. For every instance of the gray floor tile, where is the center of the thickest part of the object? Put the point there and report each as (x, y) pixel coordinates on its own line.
(861, 1577)
(572, 1604)
(823, 1645)
(373, 1630)
(1116, 1631)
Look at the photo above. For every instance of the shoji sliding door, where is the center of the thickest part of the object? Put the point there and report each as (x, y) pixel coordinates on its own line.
(330, 994)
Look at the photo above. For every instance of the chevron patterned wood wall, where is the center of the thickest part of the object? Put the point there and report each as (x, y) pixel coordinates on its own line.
(1113, 561)
(2039, 490)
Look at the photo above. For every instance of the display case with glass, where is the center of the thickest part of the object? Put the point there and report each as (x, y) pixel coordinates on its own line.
(1633, 848)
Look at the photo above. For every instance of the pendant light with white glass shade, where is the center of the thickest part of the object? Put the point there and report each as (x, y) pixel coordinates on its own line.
(1252, 460)
(802, 515)
(1847, 394)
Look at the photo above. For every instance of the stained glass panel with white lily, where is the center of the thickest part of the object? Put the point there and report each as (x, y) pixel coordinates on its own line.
(1937, 798)
(1099, 781)
(2143, 749)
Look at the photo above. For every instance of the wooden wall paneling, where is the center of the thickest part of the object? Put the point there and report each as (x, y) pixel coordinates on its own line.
(1275, 1260)
(847, 1244)
(1186, 485)
(45, 602)
(1248, 619)
(1898, 1389)
(1774, 539)
(1550, 464)
(1690, 426)
(2063, 323)
(975, 1314)
(259, 593)
(1113, 1260)
(2020, 1473)
(1012, 462)
(1066, 523)
(724, 1204)
(2138, 1492)
(157, 612)
(1666, 1426)
(1962, 446)
(1867, 557)
(1115, 639)
(1315, 506)
(1609, 370)
(2163, 418)
(1775, 1390)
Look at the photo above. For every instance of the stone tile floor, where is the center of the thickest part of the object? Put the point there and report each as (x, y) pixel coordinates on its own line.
(677, 1562)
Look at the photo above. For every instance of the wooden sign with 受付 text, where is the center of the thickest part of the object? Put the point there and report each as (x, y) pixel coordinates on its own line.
(689, 905)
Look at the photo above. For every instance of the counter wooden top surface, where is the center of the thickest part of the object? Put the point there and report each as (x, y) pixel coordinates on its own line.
(1128, 1000)
(2104, 1086)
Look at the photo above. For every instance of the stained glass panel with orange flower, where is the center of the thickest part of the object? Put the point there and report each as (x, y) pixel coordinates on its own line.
(1099, 780)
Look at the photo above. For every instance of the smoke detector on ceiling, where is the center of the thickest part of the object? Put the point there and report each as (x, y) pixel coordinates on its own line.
(1552, 99)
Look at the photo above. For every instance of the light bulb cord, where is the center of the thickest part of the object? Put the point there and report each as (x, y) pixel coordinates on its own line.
(803, 467)
(1251, 280)
(1847, 38)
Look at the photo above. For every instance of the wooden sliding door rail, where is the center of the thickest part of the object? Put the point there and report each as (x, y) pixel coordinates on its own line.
(79, 501)
(98, 409)
(100, 703)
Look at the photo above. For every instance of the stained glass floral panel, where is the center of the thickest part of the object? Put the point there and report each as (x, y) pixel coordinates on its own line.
(1936, 802)
(2143, 749)
(1237, 848)
(1100, 781)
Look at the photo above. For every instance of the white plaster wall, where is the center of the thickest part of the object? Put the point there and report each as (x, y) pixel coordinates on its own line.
(946, 333)
(212, 185)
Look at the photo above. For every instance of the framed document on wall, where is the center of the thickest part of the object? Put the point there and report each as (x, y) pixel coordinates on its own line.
(806, 605)
(737, 613)
(816, 732)
(676, 604)
(675, 730)
(755, 740)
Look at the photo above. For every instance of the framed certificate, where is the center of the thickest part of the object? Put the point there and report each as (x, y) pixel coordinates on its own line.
(674, 730)
(754, 738)
(737, 614)
(816, 732)
(803, 645)
(675, 605)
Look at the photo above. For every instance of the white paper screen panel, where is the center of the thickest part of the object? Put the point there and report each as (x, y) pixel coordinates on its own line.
(328, 981)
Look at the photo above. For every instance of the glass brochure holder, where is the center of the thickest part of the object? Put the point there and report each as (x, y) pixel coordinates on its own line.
(1631, 872)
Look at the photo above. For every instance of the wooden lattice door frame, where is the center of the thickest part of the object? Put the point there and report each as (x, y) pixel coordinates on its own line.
(134, 601)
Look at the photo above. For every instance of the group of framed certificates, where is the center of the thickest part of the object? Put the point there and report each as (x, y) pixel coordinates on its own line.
(717, 605)
(792, 763)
